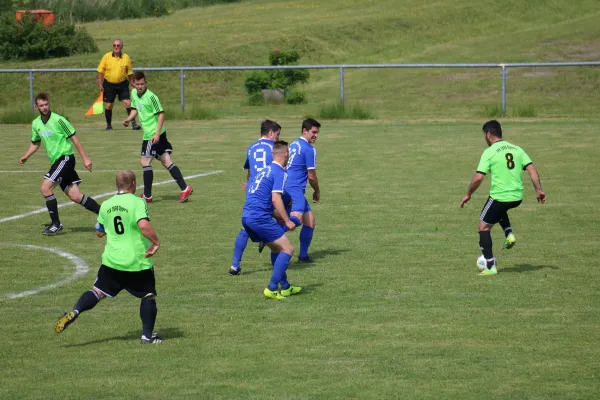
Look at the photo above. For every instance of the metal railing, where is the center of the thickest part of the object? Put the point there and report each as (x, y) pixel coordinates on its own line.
(504, 67)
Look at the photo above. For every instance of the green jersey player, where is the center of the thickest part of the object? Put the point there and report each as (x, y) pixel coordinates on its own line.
(505, 162)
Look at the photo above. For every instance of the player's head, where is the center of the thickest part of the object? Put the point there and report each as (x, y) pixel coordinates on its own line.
(491, 130)
(310, 129)
(126, 181)
(270, 130)
(281, 152)
(139, 82)
(42, 103)
(117, 46)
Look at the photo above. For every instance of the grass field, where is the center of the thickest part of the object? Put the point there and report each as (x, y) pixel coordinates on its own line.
(393, 307)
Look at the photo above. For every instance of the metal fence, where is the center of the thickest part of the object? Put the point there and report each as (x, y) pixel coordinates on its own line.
(504, 67)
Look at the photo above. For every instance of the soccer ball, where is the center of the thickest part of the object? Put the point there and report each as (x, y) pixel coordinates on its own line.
(481, 263)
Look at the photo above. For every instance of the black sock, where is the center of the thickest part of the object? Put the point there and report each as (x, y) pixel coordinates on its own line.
(87, 301)
(148, 313)
(148, 178)
(90, 204)
(485, 243)
(176, 174)
(505, 224)
(52, 205)
(108, 116)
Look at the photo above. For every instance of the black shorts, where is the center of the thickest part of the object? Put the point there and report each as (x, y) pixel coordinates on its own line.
(112, 90)
(494, 211)
(63, 172)
(156, 150)
(111, 281)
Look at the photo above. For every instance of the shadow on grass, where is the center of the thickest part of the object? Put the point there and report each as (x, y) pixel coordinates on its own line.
(316, 256)
(83, 229)
(165, 333)
(526, 268)
(306, 289)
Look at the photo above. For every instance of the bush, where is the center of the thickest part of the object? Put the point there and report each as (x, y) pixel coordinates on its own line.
(295, 97)
(341, 111)
(524, 112)
(278, 78)
(32, 40)
(20, 116)
(492, 111)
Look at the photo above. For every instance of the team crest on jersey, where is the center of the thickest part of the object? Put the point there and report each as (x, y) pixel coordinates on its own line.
(46, 133)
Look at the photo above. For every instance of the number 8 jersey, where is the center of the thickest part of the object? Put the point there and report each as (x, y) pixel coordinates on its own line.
(505, 162)
(125, 245)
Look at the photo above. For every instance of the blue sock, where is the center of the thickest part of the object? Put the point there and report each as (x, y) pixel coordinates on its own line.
(281, 265)
(238, 248)
(296, 222)
(306, 235)
(274, 258)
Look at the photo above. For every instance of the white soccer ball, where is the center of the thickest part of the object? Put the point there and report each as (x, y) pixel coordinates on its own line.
(481, 263)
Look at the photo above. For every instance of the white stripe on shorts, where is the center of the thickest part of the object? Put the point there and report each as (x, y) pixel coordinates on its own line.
(486, 208)
(59, 169)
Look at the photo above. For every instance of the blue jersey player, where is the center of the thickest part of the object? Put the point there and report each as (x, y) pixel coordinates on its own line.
(302, 168)
(263, 196)
(259, 156)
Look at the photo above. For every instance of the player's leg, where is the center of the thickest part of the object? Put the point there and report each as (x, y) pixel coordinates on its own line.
(145, 162)
(110, 95)
(107, 285)
(238, 251)
(510, 240)
(281, 254)
(143, 286)
(306, 235)
(165, 149)
(70, 185)
(52, 204)
(491, 214)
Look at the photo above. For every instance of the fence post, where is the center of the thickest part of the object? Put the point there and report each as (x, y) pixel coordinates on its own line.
(31, 90)
(342, 83)
(503, 74)
(181, 80)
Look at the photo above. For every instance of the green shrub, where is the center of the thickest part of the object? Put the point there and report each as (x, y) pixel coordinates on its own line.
(278, 78)
(295, 97)
(19, 116)
(341, 111)
(29, 39)
(492, 111)
(256, 99)
(524, 112)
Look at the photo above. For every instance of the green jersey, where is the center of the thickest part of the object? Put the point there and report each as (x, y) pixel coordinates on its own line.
(55, 134)
(148, 107)
(125, 244)
(505, 162)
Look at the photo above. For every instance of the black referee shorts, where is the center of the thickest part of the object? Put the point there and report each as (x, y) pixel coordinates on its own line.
(494, 211)
(111, 281)
(63, 172)
(112, 90)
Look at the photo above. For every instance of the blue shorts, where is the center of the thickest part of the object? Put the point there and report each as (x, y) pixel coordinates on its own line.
(299, 203)
(262, 230)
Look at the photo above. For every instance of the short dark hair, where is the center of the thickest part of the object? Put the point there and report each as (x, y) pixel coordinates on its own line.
(42, 96)
(309, 123)
(137, 75)
(493, 127)
(280, 144)
(267, 125)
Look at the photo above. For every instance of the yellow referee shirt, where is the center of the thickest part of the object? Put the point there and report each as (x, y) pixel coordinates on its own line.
(115, 69)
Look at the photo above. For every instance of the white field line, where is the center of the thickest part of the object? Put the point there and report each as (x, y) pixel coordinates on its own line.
(99, 196)
(81, 268)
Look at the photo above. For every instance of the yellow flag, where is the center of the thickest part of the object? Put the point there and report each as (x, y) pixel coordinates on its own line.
(97, 107)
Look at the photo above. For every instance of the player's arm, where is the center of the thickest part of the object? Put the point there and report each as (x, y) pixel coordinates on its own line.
(150, 234)
(314, 183)
(33, 147)
(159, 125)
(100, 230)
(276, 198)
(99, 79)
(87, 163)
(130, 117)
(535, 179)
(473, 186)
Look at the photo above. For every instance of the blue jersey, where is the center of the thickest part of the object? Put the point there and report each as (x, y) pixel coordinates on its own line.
(260, 155)
(259, 203)
(303, 156)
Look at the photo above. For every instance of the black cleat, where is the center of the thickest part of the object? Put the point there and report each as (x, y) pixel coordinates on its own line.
(52, 229)
(64, 321)
(153, 340)
(307, 260)
(233, 271)
(261, 246)
(135, 126)
(108, 128)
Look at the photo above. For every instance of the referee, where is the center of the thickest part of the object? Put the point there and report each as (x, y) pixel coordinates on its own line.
(114, 74)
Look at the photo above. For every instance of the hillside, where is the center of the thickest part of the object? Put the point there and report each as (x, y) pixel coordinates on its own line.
(353, 31)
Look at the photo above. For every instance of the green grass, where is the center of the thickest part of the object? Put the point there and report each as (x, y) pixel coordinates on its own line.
(343, 111)
(352, 31)
(393, 306)
(17, 116)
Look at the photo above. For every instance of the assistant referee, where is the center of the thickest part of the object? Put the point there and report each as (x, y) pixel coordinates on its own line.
(114, 75)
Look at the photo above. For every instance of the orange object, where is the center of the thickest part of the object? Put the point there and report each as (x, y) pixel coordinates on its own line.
(44, 16)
